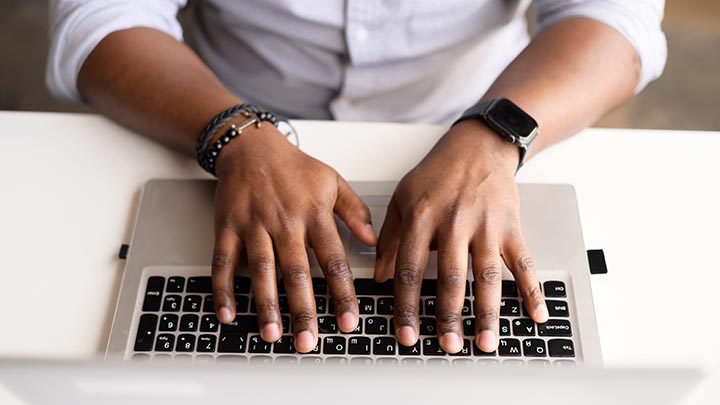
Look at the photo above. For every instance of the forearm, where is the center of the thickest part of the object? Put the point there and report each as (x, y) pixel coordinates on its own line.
(153, 84)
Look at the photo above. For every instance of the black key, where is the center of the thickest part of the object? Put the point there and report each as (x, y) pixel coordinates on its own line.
(357, 330)
(199, 285)
(209, 323)
(509, 288)
(509, 347)
(555, 289)
(327, 324)
(509, 307)
(431, 347)
(319, 285)
(523, 327)
(206, 344)
(413, 350)
(555, 327)
(185, 343)
(165, 342)
(153, 293)
(175, 284)
(283, 304)
(469, 327)
(366, 305)
(385, 306)
(285, 323)
(241, 324)
(146, 333)
(467, 308)
(478, 352)
(376, 325)
(465, 351)
(171, 303)
(427, 326)
(383, 346)
(334, 345)
(534, 348)
(359, 345)
(320, 304)
(242, 303)
(504, 327)
(209, 304)
(368, 286)
(232, 343)
(168, 323)
(430, 306)
(284, 345)
(557, 308)
(561, 348)
(192, 303)
(188, 323)
(467, 288)
(242, 285)
(257, 345)
(428, 288)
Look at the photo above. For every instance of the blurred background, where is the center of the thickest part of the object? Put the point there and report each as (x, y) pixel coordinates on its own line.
(687, 96)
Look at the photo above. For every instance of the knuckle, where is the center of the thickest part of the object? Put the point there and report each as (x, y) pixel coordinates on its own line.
(267, 306)
(407, 274)
(453, 279)
(296, 275)
(405, 316)
(447, 321)
(487, 316)
(421, 212)
(525, 264)
(303, 317)
(344, 302)
(222, 260)
(337, 268)
(262, 265)
(490, 274)
(532, 293)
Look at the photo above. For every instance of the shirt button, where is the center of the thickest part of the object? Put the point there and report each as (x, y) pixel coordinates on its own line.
(361, 34)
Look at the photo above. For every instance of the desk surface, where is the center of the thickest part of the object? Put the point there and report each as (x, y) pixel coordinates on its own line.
(70, 185)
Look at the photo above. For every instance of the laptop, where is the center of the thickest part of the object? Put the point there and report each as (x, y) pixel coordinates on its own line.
(165, 310)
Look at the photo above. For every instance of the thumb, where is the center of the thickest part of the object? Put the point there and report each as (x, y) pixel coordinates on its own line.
(353, 211)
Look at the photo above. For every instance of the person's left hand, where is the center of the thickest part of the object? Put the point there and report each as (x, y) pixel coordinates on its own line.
(462, 197)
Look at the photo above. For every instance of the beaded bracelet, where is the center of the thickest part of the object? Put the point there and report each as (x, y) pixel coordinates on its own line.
(213, 151)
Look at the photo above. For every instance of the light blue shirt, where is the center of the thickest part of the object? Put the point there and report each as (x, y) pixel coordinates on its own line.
(379, 60)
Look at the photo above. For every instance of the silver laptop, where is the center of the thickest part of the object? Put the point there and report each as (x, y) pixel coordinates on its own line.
(165, 308)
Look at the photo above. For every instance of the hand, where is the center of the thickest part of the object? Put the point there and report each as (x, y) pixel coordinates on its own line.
(461, 198)
(272, 199)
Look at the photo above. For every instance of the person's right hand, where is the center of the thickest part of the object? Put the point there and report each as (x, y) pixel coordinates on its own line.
(272, 199)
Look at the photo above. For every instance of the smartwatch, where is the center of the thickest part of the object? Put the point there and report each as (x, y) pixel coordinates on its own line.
(507, 120)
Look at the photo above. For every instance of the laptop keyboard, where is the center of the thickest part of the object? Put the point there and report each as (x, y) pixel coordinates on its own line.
(178, 322)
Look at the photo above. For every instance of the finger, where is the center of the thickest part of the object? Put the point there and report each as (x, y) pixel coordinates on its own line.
(330, 253)
(225, 258)
(452, 275)
(353, 211)
(517, 257)
(487, 274)
(412, 257)
(261, 261)
(387, 246)
(295, 270)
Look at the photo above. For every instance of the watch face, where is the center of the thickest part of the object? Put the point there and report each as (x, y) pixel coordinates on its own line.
(505, 114)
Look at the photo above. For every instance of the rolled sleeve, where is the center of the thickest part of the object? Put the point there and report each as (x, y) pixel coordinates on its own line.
(77, 26)
(638, 20)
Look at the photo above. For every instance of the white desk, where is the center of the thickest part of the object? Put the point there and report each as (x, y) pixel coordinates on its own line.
(69, 186)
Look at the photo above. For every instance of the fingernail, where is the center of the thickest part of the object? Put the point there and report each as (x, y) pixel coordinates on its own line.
(225, 315)
(270, 332)
(304, 342)
(451, 342)
(406, 336)
(487, 341)
(542, 313)
(347, 322)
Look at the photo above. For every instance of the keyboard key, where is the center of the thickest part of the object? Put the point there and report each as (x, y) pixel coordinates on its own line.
(257, 345)
(334, 345)
(509, 288)
(362, 361)
(285, 323)
(368, 286)
(537, 363)
(427, 326)
(206, 343)
(284, 345)
(431, 347)
(327, 324)
(209, 304)
(311, 361)
(171, 303)
(261, 360)
(385, 306)
(504, 327)
(509, 307)
(320, 304)
(146, 333)
(376, 325)
(359, 345)
(467, 308)
(153, 294)
(465, 351)
(242, 285)
(555, 289)
(534, 348)
(463, 363)
(387, 362)
(478, 352)
(438, 362)
(319, 285)
(199, 285)
(175, 284)
(282, 303)
(366, 305)
(413, 350)
(168, 323)
(241, 324)
(204, 359)
(555, 327)
(357, 330)
(469, 326)
(286, 360)
(188, 323)
(430, 306)
(561, 348)
(242, 304)
(412, 362)
(185, 343)
(523, 327)
(384, 346)
(232, 343)
(509, 347)
(209, 323)
(165, 342)
(337, 361)
(231, 359)
(557, 308)
(192, 303)
(428, 288)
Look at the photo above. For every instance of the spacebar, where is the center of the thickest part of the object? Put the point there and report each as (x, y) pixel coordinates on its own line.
(242, 324)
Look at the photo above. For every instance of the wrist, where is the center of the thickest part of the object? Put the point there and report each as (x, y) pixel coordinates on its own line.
(484, 146)
(253, 142)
